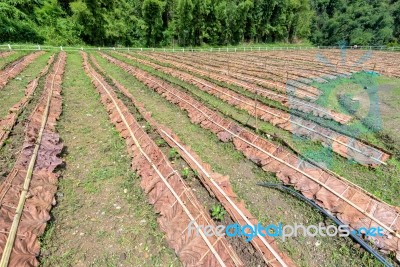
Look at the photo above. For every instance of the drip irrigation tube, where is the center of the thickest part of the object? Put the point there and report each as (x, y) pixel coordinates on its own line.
(355, 237)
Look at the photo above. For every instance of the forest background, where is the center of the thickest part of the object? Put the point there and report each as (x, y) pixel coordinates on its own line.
(155, 23)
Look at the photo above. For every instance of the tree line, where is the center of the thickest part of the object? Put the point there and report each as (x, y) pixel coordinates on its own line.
(199, 22)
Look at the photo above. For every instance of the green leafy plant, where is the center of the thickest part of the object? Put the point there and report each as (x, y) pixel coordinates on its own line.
(217, 212)
(161, 142)
(147, 127)
(173, 154)
(185, 173)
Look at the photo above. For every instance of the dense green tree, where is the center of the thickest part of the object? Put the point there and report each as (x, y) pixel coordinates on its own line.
(90, 16)
(237, 22)
(396, 21)
(266, 17)
(122, 25)
(152, 16)
(298, 18)
(355, 22)
(54, 24)
(198, 22)
(64, 4)
(200, 11)
(184, 22)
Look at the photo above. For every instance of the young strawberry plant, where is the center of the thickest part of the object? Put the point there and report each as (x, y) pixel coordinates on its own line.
(217, 212)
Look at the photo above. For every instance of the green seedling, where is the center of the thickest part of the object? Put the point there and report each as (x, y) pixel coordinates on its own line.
(161, 142)
(217, 212)
(185, 173)
(147, 127)
(173, 154)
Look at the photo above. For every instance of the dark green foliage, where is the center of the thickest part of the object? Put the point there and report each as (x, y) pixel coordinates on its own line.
(16, 26)
(369, 22)
(152, 15)
(55, 26)
(217, 212)
(396, 17)
(199, 22)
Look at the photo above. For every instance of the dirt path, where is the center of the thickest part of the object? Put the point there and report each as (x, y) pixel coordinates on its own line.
(102, 217)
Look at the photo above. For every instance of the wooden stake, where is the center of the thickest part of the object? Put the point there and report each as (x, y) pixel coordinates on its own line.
(255, 110)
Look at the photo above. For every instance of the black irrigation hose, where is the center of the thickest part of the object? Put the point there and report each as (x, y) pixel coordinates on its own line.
(358, 239)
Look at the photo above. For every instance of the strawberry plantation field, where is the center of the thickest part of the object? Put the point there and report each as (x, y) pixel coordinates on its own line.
(109, 157)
